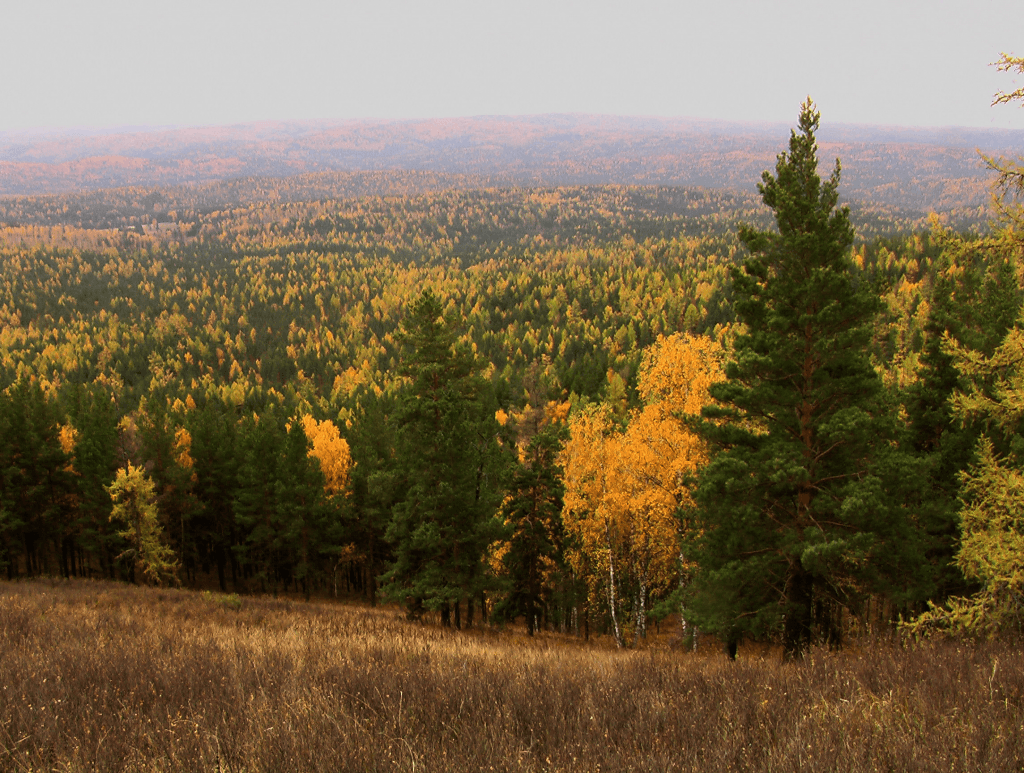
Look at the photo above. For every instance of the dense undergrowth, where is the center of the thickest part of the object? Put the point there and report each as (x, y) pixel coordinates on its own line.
(105, 677)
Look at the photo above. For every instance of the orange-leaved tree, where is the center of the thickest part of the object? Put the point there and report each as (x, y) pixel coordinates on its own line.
(331, 450)
(626, 488)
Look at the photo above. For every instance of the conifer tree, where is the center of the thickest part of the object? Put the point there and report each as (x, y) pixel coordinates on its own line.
(975, 376)
(134, 499)
(261, 443)
(441, 528)
(793, 521)
(34, 480)
(301, 516)
(532, 511)
(216, 454)
(975, 301)
(95, 467)
(991, 550)
(375, 482)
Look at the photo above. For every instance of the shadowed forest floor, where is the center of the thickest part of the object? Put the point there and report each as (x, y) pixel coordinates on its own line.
(104, 677)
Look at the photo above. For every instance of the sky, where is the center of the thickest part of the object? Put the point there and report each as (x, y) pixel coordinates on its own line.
(100, 64)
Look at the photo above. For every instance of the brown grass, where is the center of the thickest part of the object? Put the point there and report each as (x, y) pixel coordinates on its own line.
(97, 676)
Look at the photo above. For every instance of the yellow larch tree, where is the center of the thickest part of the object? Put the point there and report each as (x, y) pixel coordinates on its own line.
(134, 506)
(183, 451)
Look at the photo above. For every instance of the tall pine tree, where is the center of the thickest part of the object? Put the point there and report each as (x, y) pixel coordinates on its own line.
(793, 522)
(444, 523)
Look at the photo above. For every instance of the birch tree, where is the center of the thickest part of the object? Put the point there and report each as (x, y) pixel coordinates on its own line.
(626, 489)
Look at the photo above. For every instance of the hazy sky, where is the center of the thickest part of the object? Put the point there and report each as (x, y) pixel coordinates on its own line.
(198, 62)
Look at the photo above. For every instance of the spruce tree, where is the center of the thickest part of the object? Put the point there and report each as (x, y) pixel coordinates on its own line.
(301, 513)
(793, 521)
(95, 466)
(261, 442)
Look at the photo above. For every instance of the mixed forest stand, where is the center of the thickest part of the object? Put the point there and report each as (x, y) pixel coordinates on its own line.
(584, 408)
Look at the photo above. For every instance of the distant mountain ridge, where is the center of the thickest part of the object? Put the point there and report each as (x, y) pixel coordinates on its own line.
(920, 169)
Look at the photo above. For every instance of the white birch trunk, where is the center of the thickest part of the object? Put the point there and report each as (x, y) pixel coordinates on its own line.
(682, 610)
(611, 588)
(641, 610)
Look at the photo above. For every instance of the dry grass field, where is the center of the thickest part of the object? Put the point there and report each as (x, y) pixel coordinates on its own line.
(104, 677)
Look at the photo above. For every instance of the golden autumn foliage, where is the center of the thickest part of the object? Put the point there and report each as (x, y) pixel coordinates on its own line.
(182, 449)
(221, 311)
(674, 380)
(331, 451)
(624, 487)
(134, 507)
(68, 437)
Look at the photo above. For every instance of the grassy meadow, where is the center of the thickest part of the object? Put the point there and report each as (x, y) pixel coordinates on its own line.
(103, 677)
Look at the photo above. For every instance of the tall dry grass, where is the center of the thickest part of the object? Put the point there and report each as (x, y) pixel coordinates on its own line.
(104, 677)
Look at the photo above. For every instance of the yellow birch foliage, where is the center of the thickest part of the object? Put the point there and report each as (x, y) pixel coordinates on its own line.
(588, 510)
(331, 450)
(674, 380)
(623, 488)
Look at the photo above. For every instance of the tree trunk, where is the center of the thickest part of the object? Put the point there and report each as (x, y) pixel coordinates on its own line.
(611, 589)
(641, 610)
(220, 560)
(732, 645)
(797, 627)
(372, 584)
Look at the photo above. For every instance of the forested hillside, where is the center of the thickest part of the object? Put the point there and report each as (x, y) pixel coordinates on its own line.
(582, 278)
(404, 384)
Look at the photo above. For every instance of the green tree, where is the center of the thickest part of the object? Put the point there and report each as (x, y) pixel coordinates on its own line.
(985, 392)
(303, 518)
(975, 301)
(444, 523)
(95, 466)
(532, 511)
(260, 544)
(375, 484)
(792, 521)
(215, 453)
(166, 447)
(991, 550)
(35, 483)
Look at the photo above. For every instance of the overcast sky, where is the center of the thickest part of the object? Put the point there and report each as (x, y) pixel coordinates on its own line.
(72, 63)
